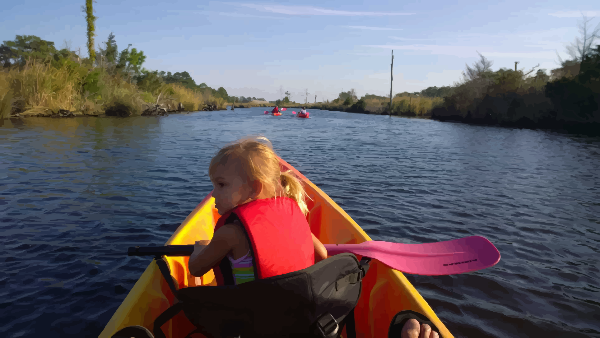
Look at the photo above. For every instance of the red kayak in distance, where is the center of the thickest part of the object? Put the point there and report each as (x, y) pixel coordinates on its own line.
(276, 114)
(304, 116)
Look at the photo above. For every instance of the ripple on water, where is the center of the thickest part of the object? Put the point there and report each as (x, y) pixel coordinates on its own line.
(75, 197)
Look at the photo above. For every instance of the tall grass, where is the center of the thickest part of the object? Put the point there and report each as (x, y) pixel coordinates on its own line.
(191, 100)
(417, 106)
(253, 104)
(401, 105)
(40, 84)
(114, 91)
(73, 86)
(5, 97)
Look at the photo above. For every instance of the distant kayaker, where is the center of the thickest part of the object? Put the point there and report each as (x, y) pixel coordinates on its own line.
(275, 110)
(257, 199)
(303, 111)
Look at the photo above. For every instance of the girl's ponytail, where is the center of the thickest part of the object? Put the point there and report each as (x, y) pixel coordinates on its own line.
(293, 189)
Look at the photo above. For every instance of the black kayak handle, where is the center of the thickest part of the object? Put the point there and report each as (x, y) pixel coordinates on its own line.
(166, 250)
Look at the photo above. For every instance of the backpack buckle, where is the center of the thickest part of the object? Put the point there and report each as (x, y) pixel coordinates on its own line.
(327, 325)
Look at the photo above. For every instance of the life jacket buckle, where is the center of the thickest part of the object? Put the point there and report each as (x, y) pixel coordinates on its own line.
(328, 326)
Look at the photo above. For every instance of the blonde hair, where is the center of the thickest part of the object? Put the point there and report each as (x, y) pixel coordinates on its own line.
(259, 162)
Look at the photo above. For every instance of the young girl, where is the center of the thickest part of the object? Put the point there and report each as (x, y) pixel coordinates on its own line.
(263, 224)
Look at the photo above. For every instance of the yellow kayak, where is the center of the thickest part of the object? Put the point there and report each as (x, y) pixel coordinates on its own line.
(385, 291)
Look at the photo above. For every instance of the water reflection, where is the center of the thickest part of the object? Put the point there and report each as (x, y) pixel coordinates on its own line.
(75, 192)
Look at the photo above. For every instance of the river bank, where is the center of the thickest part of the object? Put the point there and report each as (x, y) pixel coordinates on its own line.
(60, 83)
(148, 110)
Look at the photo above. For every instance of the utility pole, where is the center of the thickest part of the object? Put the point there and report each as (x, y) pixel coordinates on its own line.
(315, 99)
(516, 62)
(391, 82)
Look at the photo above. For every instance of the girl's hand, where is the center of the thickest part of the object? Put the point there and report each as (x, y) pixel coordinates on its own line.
(203, 242)
(200, 245)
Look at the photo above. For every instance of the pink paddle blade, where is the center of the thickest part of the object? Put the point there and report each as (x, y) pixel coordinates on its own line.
(431, 259)
(266, 112)
(293, 112)
(283, 109)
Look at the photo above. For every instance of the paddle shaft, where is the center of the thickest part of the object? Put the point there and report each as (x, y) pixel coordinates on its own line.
(431, 259)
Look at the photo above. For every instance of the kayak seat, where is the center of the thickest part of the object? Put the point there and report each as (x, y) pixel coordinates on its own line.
(402, 317)
(313, 302)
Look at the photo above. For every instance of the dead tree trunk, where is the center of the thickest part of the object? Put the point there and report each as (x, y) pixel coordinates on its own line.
(391, 82)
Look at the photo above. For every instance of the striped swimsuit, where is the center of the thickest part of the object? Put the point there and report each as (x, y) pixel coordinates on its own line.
(242, 268)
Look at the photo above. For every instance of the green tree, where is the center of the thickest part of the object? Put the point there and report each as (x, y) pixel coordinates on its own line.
(590, 69)
(360, 105)
(135, 60)
(123, 56)
(149, 81)
(436, 92)
(131, 61)
(481, 69)
(183, 78)
(506, 81)
(349, 94)
(222, 93)
(582, 47)
(91, 28)
(25, 47)
(111, 52)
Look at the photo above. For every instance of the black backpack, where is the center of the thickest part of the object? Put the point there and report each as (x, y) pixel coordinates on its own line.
(314, 302)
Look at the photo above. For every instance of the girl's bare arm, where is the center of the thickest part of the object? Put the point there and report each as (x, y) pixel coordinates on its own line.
(320, 251)
(205, 257)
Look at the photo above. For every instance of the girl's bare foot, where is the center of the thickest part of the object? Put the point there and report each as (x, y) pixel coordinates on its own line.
(412, 329)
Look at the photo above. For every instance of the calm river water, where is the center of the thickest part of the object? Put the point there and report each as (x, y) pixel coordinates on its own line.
(75, 193)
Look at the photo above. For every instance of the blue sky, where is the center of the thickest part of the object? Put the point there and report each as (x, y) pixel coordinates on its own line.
(253, 48)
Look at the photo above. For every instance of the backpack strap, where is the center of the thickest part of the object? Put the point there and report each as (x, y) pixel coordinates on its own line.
(350, 325)
(165, 317)
(327, 326)
(164, 270)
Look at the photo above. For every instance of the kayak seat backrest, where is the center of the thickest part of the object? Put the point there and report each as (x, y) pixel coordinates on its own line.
(313, 302)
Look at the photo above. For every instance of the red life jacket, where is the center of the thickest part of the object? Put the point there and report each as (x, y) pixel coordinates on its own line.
(275, 110)
(279, 235)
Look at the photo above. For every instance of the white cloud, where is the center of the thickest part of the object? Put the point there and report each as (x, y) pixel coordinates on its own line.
(408, 39)
(370, 54)
(308, 10)
(375, 28)
(231, 14)
(243, 15)
(522, 55)
(574, 14)
(467, 51)
(460, 51)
